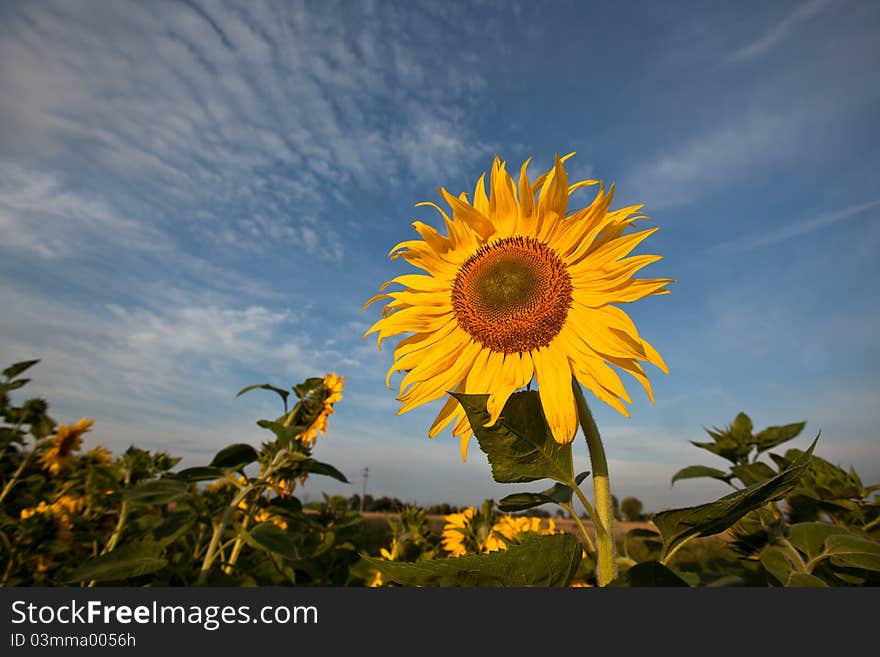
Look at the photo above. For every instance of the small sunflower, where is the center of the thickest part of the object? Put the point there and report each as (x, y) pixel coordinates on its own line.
(63, 444)
(513, 528)
(333, 386)
(520, 288)
(64, 509)
(456, 532)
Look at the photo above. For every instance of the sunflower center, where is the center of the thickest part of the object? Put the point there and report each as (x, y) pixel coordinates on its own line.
(512, 295)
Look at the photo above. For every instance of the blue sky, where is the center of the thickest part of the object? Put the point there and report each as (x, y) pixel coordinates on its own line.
(197, 196)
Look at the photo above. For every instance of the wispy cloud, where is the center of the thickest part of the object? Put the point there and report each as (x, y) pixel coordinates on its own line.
(781, 30)
(797, 229)
(717, 156)
(38, 215)
(241, 124)
(181, 348)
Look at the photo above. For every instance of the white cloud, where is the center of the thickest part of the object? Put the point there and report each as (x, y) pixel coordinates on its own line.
(798, 229)
(781, 30)
(179, 349)
(233, 110)
(37, 214)
(719, 156)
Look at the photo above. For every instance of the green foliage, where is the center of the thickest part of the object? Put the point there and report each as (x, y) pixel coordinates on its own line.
(133, 520)
(536, 561)
(520, 446)
(125, 563)
(648, 573)
(680, 525)
(558, 493)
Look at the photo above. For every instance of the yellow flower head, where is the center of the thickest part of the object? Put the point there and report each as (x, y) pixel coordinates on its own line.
(63, 510)
(262, 515)
(455, 532)
(67, 439)
(100, 455)
(333, 386)
(520, 288)
(512, 528)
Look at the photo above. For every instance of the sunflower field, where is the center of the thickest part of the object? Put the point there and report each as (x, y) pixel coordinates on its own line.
(71, 516)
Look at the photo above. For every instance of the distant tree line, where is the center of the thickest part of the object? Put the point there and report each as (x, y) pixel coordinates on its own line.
(630, 508)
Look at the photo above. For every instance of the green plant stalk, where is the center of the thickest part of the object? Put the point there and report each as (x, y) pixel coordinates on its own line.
(15, 477)
(589, 542)
(219, 528)
(239, 541)
(606, 566)
(211, 554)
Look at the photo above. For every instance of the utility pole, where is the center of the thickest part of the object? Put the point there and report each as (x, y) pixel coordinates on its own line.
(366, 473)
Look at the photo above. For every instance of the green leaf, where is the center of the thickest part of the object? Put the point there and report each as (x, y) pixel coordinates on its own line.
(556, 494)
(520, 445)
(288, 506)
(270, 537)
(284, 394)
(853, 552)
(522, 501)
(284, 434)
(695, 471)
(156, 491)
(235, 456)
(773, 436)
(742, 427)
(680, 525)
(132, 560)
(803, 580)
(319, 468)
(809, 537)
(536, 561)
(175, 525)
(753, 473)
(17, 368)
(648, 573)
(15, 385)
(200, 473)
(777, 563)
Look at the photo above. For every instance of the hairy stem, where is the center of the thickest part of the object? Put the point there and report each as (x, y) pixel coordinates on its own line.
(606, 567)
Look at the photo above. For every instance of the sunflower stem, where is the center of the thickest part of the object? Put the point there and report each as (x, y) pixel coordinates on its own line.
(606, 567)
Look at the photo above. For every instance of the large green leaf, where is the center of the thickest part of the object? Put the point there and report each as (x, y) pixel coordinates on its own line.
(284, 434)
(556, 494)
(284, 394)
(235, 456)
(156, 491)
(648, 573)
(537, 561)
(778, 563)
(753, 473)
(128, 561)
(520, 445)
(680, 525)
(200, 473)
(17, 368)
(773, 436)
(853, 552)
(274, 539)
(174, 526)
(319, 468)
(697, 471)
(802, 580)
(809, 537)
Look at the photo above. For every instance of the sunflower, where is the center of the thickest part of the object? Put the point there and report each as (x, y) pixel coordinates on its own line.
(520, 288)
(67, 439)
(513, 528)
(333, 386)
(456, 531)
